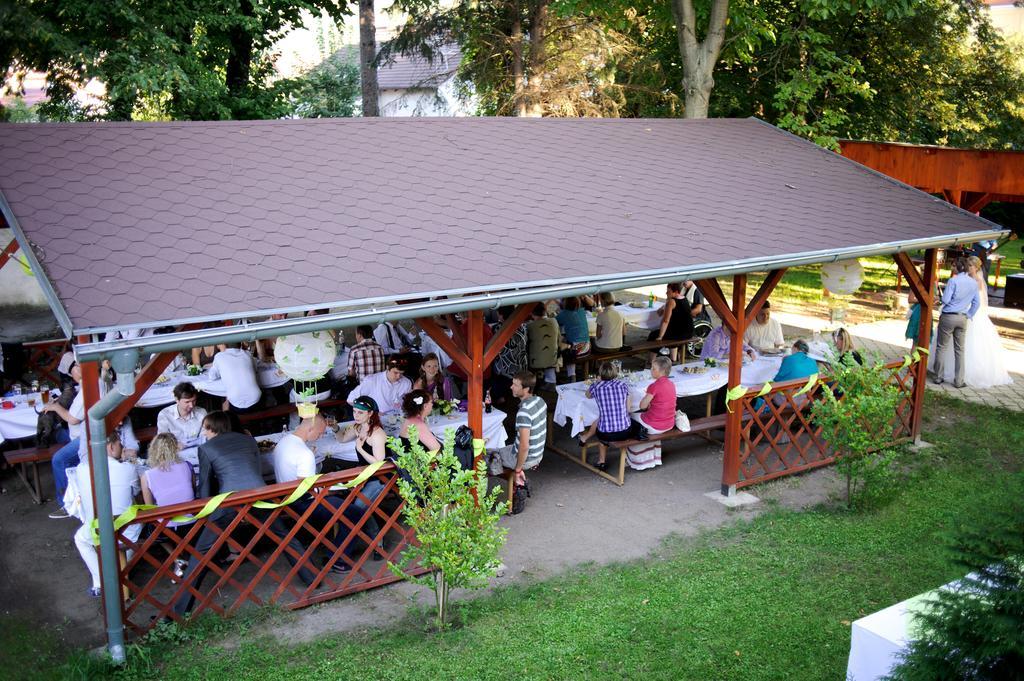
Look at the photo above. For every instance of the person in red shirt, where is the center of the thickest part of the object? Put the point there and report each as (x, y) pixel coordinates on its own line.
(657, 414)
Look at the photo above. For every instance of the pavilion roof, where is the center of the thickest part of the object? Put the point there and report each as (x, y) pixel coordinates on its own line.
(152, 224)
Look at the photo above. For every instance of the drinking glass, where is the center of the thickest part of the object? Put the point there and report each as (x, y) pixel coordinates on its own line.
(45, 395)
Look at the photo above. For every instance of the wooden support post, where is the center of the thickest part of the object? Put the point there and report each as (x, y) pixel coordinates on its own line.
(765, 290)
(924, 333)
(913, 277)
(475, 384)
(9, 250)
(734, 420)
(451, 346)
(509, 327)
(716, 297)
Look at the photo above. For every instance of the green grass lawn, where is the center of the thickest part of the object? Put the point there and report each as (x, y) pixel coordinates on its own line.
(764, 599)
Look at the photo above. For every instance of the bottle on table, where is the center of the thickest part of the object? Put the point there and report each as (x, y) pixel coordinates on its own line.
(650, 300)
(487, 402)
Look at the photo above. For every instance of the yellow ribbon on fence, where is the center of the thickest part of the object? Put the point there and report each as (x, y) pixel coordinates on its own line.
(733, 394)
(296, 494)
(811, 380)
(765, 389)
(359, 479)
(26, 268)
(478, 447)
(213, 503)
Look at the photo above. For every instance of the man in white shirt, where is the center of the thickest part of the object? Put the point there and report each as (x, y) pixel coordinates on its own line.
(765, 333)
(124, 485)
(387, 388)
(238, 369)
(293, 459)
(183, 420)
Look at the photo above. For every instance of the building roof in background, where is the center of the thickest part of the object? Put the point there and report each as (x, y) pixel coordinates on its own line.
(148, 224)
(415, 72)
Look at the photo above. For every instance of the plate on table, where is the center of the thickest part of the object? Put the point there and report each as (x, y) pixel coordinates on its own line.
(774, 352)
(638, 306)
(161, 380)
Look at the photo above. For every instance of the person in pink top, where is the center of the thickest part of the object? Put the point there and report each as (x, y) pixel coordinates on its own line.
(657, 414)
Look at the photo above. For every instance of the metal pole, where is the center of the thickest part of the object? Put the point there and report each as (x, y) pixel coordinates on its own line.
(109, 564)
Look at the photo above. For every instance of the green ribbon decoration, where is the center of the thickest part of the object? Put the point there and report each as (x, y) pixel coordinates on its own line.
(359, 479)
(24, 264)
(807, 386)
(213, 503)
(906, 362)
(765, 389)
(297, 493)
(734, 393)
(478, 447)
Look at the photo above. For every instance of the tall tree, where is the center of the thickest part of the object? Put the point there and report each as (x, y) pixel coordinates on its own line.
(528, 57)
(699, 55)
(368, 58)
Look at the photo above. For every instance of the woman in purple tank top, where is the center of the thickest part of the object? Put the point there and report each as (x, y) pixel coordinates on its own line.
(169, 479)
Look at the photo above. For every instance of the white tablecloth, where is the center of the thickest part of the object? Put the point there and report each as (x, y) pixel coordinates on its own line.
(162, 394)
(573, 403)
(328, 445)
(877, 640)
(641, 317)
(21, 421)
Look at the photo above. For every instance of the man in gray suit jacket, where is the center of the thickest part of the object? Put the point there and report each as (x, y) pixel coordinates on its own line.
(228, 462)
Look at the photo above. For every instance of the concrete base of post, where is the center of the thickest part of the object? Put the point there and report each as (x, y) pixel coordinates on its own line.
(733, 500)
(920, 444)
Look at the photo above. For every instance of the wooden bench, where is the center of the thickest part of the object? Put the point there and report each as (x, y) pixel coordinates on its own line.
(637, 349)
(27, 457)
(698, 427)
(22, 459)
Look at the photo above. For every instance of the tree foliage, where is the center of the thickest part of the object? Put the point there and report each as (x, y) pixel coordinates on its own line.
(530, 57)
(454, 517)
(976, 631)
(191, 59)
(329, 90)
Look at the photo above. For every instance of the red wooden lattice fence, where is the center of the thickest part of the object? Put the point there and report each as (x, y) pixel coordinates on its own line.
(293, 570)
(781, 438)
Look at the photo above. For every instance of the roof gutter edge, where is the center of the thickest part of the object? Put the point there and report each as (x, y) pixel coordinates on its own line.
(37, 267)
(184, 340)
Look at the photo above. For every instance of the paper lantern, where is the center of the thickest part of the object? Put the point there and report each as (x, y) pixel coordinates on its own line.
(305, 356)
(843, 276)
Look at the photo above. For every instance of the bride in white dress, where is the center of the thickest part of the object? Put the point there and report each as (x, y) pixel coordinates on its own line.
(984, 363)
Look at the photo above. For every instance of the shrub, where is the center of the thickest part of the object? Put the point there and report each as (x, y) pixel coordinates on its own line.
(857, 414)
(455, 519)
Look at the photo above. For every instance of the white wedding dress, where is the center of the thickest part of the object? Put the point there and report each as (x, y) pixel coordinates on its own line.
(984, 361)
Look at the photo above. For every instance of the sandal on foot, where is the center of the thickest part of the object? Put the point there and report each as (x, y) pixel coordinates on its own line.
(601, 466)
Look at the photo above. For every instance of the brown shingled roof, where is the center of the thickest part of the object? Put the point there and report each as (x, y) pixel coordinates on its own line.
(153, 223)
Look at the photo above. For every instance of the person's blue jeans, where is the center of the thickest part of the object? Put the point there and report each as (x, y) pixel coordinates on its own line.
(65, 457)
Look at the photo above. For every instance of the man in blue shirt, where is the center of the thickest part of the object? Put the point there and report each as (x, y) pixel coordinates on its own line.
(960, 301)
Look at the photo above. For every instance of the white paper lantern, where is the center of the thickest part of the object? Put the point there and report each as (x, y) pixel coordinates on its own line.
(843, 276)
(305, 356)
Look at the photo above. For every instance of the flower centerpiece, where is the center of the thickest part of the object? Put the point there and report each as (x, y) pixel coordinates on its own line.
(710, 362)
(193, 370)
(446, 407)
